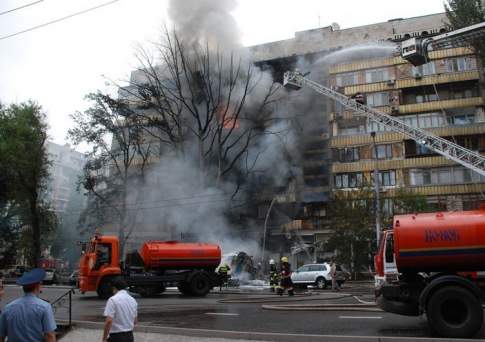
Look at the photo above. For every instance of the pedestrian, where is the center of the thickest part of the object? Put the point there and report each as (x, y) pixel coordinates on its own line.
(273, 276)
(224, 275)
(28, 318)
(333, 274)
(285, 278)
(121, 314)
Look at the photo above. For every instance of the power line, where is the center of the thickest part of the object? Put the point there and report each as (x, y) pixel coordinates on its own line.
(18, 8)
(59, 19)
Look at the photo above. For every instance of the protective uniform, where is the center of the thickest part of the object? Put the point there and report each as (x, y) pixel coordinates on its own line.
(285, 280)
(273, 276)
(224, 275)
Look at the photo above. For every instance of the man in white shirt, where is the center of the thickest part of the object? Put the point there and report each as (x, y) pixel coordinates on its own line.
(120, 313)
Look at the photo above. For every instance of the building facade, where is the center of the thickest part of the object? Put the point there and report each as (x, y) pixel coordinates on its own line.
(67, 165)
(442, 96)
(338, 151)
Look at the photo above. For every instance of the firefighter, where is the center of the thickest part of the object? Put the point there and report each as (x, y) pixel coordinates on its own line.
(285, 278)
(224, 275)
(273, 276)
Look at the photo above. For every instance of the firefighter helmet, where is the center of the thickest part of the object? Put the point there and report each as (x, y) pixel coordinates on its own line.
(271, 261)
(284, 259)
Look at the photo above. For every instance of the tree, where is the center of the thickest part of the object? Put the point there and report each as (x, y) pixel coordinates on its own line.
(197, 96)
(352, 218)
(119, 153)
(461, 13)
(24, 165)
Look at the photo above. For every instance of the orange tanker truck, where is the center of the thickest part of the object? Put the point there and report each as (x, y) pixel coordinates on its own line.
(432, 263)
(189, 266)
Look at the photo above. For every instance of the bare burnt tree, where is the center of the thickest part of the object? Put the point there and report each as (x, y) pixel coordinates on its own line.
(120, 151)
(194, 95)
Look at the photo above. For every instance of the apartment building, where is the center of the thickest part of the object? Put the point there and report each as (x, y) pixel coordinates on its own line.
(442, 96)
(67, 165)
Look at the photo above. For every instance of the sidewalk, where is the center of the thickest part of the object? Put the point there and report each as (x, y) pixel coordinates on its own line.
(83, 335)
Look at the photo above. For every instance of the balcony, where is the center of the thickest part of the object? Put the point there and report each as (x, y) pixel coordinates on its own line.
(395, 164)
(438, 105)
(389, 137)
(412, 82)
(434, 190)
(382, 62)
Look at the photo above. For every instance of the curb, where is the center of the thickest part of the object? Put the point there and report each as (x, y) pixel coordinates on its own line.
(259, 336)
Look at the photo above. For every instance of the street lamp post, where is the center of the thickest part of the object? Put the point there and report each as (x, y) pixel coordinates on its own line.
(377, 204)
(264, 231)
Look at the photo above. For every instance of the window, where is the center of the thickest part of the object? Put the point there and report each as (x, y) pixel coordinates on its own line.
(347, 155)
(348, 180)
(426, 98)
(388, 206)
(376, 75)
(425, 69)
(378, 99)
(316, 268)
(303, 269)
(352, 130)
(459, 64)
(383, 151)
(444, 175)
(387, 178)
(427, 120)
(347, 79)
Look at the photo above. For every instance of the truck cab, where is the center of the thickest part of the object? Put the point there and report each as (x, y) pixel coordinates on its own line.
(99, 260)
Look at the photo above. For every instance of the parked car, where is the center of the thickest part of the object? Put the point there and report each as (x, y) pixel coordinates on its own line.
(317, 275)
(73, 278)
(50, 276)
(15, 270)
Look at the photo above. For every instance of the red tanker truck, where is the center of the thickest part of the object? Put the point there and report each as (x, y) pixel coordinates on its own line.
(189, 266)
(431, 263)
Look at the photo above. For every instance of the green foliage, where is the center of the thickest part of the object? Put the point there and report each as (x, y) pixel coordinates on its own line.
(24, 169)
(352, 217)
(461, 13)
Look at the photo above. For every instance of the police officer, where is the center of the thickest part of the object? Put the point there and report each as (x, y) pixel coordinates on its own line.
(28, 318)
(224, 275)
(273, 276)
(285, 274)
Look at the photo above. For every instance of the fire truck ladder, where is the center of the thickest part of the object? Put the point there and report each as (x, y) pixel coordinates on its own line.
(469, 159)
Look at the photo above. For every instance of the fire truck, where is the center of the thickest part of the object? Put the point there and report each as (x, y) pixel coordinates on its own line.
(189, 266)
(432, 263)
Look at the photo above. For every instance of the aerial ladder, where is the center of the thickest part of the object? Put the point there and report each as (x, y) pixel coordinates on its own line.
(417, 56)
(469, 159)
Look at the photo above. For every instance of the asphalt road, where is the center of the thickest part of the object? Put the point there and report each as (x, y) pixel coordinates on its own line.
(173, 310)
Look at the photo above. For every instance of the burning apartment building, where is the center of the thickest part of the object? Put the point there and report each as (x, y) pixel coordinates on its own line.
(337, 147)
(303, 148)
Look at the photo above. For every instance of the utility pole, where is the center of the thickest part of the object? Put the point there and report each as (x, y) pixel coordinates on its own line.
(264, 230)
(377, 204)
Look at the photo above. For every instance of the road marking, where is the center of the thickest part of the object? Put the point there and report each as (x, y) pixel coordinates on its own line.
(221, 314)
(360, 317)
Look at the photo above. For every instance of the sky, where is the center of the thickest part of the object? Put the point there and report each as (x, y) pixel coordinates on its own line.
(57, 65)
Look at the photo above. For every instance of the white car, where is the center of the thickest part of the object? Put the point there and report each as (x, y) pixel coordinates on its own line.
(50, 276)
(317, 275)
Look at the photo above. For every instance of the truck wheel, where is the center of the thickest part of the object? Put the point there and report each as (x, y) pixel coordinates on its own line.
(104, 289)
(184, 288)
(321, 283)
(199, 285)
(454, 311)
